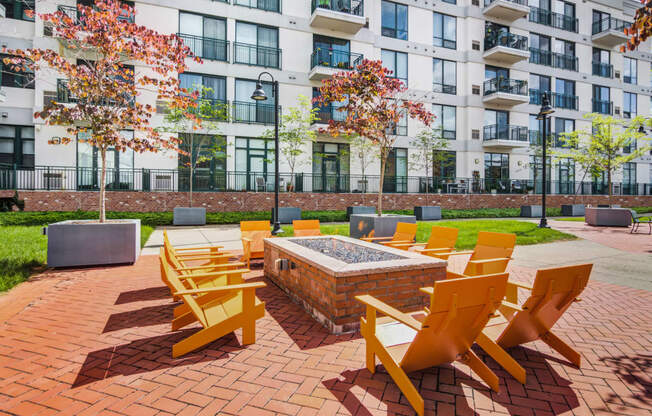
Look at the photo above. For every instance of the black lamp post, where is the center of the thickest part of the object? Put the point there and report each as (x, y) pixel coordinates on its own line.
(544, 112)
(259, 95)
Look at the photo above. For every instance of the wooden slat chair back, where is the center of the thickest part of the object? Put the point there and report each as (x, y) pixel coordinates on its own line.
(405, 233)
(492, 245)
(306, 228)
(253, 234)
(198, 256)
(441, 240)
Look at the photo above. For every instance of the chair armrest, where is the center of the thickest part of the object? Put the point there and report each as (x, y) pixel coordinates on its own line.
(197, 248)
(453, 275)
(488, 261)
(389, 311)
(210, 266)
(204, 257)
(213, 274)
(433, 250)
(512, 306)
(401, 244)
(396, 242)
(372, 239)
(521, 285)
(255, 285)
(458, 253)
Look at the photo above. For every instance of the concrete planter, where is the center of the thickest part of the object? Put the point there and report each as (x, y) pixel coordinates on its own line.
(572, 210)
(531, 211)
(426, 213)
(287, 214)
(608, 217)
(359, 209)
(189, 216)
(361, 225)
(89, 243)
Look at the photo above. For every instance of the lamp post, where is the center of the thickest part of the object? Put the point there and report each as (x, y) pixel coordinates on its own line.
(259, 95)
(544, 112)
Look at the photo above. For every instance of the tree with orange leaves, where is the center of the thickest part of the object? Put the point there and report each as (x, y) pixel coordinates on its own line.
(641, 29)
(372, 104)
(102, 90)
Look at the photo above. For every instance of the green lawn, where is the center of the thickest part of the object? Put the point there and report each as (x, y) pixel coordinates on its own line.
(526, 232)
(24, 250)
(574, 219)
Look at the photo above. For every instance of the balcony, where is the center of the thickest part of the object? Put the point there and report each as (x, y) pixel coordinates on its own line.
(206, 48)
(509, 10)
(603, 70)
(552, 19)
(506, 48)
(555, 140)
(505, 91)
(553, 59)
(341, 16)
(327, 113)
(444, 88)
(602, 107)
(64, 96)
(505, 136)
(566, 101)
(73, 13)
(609, 32)
(253, 113)
(266, 5)
(265, 56)
(324, 63)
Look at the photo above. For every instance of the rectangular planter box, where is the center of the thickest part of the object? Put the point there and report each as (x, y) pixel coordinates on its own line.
(531, 211)
(572, 210)
(189, 216)
(287, 214)
(359, 209)
(426, 213)
(89, 243)
(608, 217)
(361, 225)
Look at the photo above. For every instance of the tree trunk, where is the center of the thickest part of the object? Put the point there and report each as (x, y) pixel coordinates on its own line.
(102, 185)
(383, 163)
(192, 167)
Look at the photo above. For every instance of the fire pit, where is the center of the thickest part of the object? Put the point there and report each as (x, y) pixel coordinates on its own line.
(324, 274)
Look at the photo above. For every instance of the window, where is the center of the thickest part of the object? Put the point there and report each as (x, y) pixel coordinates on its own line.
(444, 74)
(629, 70)
(601, 100)
(328, 112)
(493, 72)
(401, 129)
(601, 21)
(331, 52)
(539, 84)
(602, 63)
(397, 62)
(564, 55)
(119, 165)
(630, 146)
(496, 125)
(256, 45)
(330, 167)
(394, 20)
(17, 146)
(564, 96)
(396, 171)
(443, 164)
(214, 86)
(254, 164)
(563, 125)
(496, 171)
(566, 175)
(446, 120)
(450, 1)
(445, 31)
(267, 5)
(536, 129)
(205, 36)
(629, 177)
(17, 78)
(209, 173)
(629, 105)
(247, 110)
(19, 9)
(536, 172)
(540, 46)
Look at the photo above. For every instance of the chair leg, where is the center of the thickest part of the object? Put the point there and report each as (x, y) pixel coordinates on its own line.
(501, 356)
(469, 358)
(561, 347)
(249, 332)
(511, 294)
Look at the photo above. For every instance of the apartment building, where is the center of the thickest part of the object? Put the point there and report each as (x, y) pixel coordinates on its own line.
(482, 65)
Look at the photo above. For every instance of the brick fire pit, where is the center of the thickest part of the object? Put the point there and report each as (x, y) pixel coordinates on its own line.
(324, 274)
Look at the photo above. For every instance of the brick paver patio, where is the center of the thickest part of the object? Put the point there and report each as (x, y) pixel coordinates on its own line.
(97, 341)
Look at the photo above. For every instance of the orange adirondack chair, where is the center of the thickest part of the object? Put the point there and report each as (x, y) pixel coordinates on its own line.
(219, 309)
(441, 240)
(253, 233)
(211, 255)
(306, 228)
(491, 254)
(405, 233)
(554, 291)
(459, 310)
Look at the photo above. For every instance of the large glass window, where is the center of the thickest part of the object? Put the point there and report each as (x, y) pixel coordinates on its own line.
(330, 167)
(539, 84)
(248, 110)
(601, 100)
(566, 175)
(119, 165)
(394, 20)
(214, 87)
(496, 172)
(492, 72)
(17, 146)
(563, 125)
(444, 164)
(496, 125)
(19, 9)
(397, 62)
(630, 70)
(14, 77)
(205, 36)
(445, 120)
(629, 178)
(629, 105)
(536, 129)
(396, 171)
(536, 172)
(331, 52)
(254, 164)
(444, 75)
(208, 154)
(256, 45)
(540, 47)
(445, 31)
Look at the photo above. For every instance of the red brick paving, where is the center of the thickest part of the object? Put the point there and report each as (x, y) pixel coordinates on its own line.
(614, 237)
(97, 341)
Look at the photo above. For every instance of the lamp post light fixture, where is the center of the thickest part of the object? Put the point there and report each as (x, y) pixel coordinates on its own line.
(259, 95)
(544, 112)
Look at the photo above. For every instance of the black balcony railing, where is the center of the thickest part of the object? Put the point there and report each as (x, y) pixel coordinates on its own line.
(554, 139)
(505, 132)
(609, 23)
(333, 58)
(553, 59)
(570, 102)
(444, 88)
(505, 85)
(244, 53)
(603, 107)
(521, 2)
(354, 7)
(248, 112)
(557, 20)
(603, 70)
(267, 5)
(329, 112)
(65, 96)
(508, 40)
(73, 13)
(207, 48)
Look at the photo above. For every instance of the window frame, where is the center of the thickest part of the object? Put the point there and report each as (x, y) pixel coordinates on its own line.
(444, 87)
(17, 155)
(394, 70)
(443, 41)
(397, 34)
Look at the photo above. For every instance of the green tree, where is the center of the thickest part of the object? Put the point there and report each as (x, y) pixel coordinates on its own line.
(601, 150)
(429, 150)
(366, 151)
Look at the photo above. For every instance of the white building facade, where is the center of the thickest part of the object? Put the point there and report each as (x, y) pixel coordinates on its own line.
(482, 65)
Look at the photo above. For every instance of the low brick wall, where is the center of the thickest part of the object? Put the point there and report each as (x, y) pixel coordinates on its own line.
(261, 201)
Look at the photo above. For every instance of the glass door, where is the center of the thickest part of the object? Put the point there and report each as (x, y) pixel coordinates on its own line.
(331, 173)
(257, 174)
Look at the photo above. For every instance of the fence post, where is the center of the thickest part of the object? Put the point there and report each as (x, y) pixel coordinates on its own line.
(47, 178)
(15, 178)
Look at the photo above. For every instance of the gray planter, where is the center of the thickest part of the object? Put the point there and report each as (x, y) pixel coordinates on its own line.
(287, 214)
(608, 217)
(572, 210)
(361, 225)
(189, 216)
(89, 243)
(531, 211)
(426, 213)
(359, 209)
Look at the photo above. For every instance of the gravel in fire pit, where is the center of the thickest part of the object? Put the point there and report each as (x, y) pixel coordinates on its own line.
(346, 252)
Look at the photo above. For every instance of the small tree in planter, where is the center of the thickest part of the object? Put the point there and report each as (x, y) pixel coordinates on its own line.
(372, 101)
(294, 133)
(429, 149)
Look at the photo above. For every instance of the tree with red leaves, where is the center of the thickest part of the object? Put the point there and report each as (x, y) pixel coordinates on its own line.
(103, 90)
(641, 29)
(372, 104)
